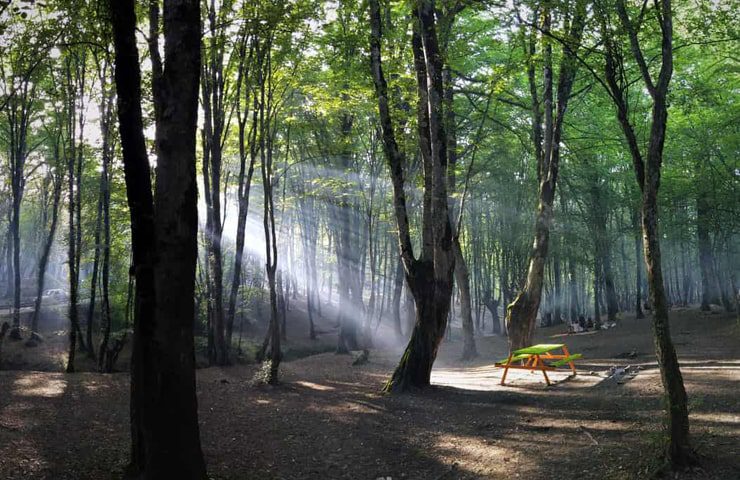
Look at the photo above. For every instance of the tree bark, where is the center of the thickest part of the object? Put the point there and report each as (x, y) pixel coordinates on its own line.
(522, 312)
(647, 172)
(244, 182)
(19, 115)
(709, 292)
(164, 418)
(430, 276)
(462, 277)
(106, 357)
(58, 180)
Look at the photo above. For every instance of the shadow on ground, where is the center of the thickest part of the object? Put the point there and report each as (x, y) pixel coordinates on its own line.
(328, 420)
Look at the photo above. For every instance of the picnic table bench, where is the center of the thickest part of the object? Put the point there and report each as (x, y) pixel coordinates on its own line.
(539, 357)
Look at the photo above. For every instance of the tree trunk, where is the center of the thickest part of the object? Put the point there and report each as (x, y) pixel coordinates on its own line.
(463, 283)
(58, 180)
(557, 279)
(106, 357)
(19, 112)
(396, 307)
(638, 268)
(709, 292)
(597, 293)
(573, 290)
(679, 451)
(96, 266)
(647, 172)
(71, 262)
(430, 276)
(164, 415)
(522, 312)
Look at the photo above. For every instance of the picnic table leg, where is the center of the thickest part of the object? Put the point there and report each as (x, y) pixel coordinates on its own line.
(506, 368)
(543, 370)
(572, 365)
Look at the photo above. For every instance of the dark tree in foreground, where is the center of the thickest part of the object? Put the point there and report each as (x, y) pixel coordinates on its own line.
(164, 416)
(430, 276)
(647, 166)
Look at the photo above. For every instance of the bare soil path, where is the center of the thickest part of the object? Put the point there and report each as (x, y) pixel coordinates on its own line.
(328, 420)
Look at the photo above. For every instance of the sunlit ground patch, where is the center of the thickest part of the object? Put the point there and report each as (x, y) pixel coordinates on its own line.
(39, 386)
(314, 386)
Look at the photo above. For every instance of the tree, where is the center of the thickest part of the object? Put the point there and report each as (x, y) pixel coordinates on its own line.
(164, 418)
(19, 113)
(521, 314)
(429, 276)
(647, 166)
(55, 176)
(247, 140)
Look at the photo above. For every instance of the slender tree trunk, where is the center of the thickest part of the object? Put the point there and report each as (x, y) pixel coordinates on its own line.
(638, 268)
(396, 307)
(557, 279)
(647, 172)
(19, 113)
(9, 259)
(106, 357)
(573, 290)
(96, 267)
(463, 283)
(709, 292)
(72, 249)
(58, 180)
(597, 293)
(243, 189)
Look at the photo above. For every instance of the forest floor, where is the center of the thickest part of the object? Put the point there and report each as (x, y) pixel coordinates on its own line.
(328, 419)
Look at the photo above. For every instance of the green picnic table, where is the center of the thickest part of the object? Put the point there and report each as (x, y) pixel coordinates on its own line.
(539, 357)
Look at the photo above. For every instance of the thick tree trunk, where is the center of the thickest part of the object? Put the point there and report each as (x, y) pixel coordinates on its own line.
(415, 368)
(521, 314)
(164, 418)
(612, 304)
(430, 277)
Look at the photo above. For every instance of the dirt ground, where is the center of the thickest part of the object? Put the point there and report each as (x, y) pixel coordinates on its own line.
(327, 420)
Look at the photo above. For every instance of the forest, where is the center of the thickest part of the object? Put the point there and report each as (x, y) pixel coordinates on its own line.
(345, 239)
